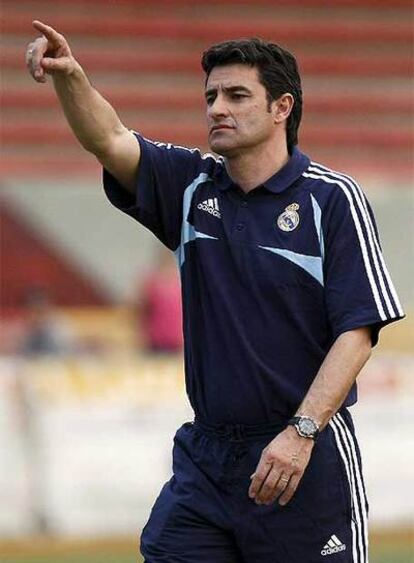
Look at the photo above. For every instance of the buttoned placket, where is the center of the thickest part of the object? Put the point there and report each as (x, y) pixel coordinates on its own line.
(240, 224)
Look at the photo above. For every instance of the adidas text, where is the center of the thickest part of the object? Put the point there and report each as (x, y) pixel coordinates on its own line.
(332, 550)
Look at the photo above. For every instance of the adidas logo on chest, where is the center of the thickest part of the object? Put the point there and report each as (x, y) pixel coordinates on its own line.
(211, 206)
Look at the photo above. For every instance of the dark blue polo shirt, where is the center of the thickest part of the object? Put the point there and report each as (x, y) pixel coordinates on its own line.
(269, 278)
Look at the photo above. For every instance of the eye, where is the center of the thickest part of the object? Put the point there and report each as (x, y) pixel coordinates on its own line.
(238, 97)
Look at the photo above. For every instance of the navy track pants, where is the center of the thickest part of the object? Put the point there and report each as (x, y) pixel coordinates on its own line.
(204, 515)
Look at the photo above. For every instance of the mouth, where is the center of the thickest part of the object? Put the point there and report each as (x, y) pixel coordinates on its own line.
(220, 128)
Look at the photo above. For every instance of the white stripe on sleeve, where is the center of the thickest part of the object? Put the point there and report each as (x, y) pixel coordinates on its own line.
(362, 243)
(372, 237)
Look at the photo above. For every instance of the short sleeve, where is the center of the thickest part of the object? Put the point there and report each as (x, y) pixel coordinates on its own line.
(164, 173)
(358, 288)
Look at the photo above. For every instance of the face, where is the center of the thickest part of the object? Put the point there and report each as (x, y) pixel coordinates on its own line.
(238, 116)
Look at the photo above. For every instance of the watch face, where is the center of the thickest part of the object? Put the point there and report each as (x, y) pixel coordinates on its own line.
(307, 427)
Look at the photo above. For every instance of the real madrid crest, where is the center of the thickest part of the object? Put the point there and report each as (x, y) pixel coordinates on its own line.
(289, 219)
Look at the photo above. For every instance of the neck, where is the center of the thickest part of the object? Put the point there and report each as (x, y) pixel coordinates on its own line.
(252, 168)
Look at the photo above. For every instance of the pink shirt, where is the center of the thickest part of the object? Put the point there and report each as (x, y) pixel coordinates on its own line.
(162, 319)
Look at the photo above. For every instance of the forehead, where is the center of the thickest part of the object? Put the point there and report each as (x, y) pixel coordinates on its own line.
(233, 75)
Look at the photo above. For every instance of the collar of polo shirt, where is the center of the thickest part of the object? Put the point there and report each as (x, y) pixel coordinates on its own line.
(279, 182)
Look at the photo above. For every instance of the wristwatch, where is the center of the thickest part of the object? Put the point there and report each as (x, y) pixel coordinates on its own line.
(305, 426)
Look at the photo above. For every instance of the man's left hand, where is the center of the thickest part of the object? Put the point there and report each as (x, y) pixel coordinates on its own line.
(280, 468)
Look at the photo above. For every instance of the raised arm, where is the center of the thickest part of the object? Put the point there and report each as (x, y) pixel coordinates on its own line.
(92, 119)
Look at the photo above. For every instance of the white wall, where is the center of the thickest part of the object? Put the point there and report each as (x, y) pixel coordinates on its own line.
(86, 445)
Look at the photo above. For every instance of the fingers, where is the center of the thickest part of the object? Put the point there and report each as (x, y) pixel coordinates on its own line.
(51, 65)
(275, 479)
(51, 34)
(259, 477)
(54, 45)
(290, 489)
(277, 485)
(280, 469)
(278, 488)
(271, 488)
(34, 55)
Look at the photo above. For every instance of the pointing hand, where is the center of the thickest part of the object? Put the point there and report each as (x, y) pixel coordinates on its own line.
(49, 54)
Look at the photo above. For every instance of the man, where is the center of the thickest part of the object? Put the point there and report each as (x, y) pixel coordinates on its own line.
(284, 293)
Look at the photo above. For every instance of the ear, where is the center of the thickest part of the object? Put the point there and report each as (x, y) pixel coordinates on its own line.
(282, 107)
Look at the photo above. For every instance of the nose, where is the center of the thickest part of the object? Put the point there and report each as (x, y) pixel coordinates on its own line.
(218, 108)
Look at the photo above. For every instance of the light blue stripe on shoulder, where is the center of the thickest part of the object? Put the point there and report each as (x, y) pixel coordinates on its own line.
(312, 264)
(188, 233)
(317, 216)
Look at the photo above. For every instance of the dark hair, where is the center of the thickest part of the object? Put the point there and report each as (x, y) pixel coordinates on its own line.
(277, 68)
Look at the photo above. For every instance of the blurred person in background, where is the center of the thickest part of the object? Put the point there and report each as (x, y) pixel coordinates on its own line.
(284, 293)
(37, 328)
(158, 308)
(44, 332)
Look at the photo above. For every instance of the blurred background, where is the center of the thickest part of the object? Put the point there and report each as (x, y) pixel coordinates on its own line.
(91, 382)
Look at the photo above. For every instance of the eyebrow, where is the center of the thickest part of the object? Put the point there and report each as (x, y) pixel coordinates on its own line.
(229, 89)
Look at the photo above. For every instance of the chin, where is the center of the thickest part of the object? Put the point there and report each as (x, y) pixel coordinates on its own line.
(223, 149)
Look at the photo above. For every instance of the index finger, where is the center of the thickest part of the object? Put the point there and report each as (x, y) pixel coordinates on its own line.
(51, 34)
(258, 478)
